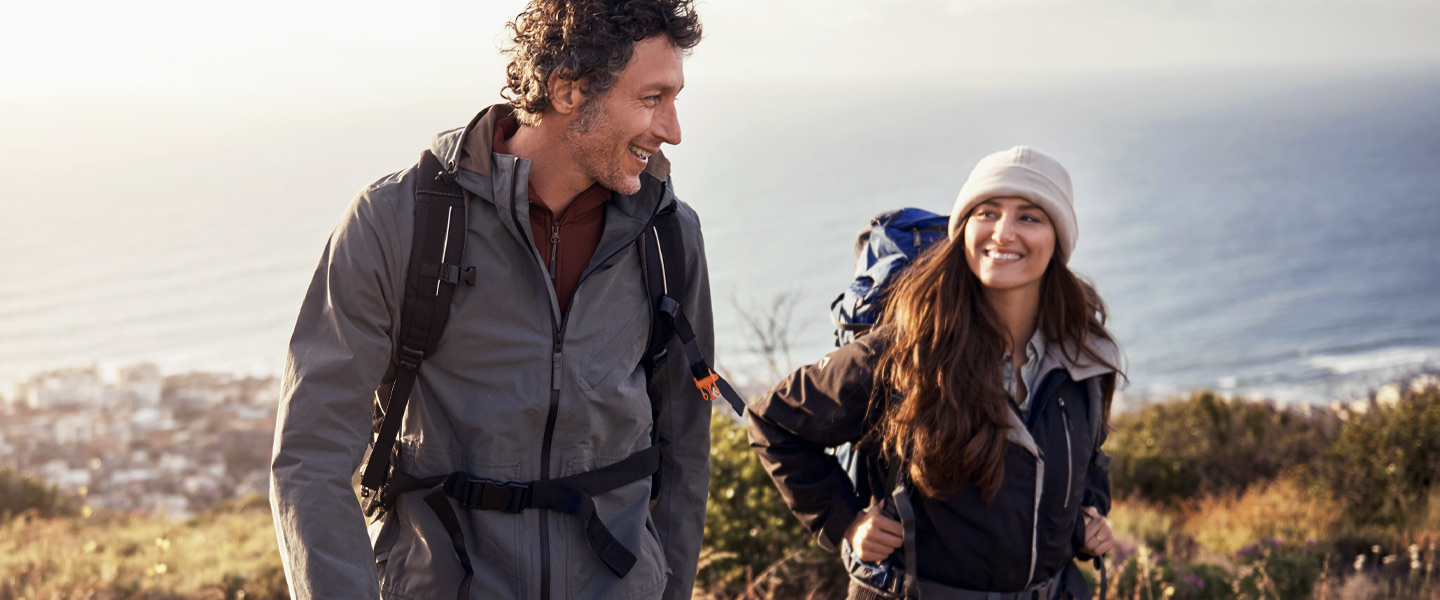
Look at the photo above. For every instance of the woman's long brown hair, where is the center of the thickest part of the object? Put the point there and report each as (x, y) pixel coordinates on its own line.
(946, 418)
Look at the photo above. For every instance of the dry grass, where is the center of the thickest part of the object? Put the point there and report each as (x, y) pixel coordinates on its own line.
(1281, 509)
(228, 553)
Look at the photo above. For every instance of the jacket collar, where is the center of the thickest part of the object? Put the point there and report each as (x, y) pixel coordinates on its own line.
(1081, 367)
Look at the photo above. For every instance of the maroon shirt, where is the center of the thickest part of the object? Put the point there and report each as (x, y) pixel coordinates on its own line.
(566, 241)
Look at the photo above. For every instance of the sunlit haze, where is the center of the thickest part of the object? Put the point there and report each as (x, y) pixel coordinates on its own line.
(169, 170)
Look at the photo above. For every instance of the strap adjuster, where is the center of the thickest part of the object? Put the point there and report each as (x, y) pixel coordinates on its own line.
(483, 494)
(409, 357)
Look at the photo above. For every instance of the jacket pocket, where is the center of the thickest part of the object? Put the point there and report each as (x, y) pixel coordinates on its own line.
(619, 355)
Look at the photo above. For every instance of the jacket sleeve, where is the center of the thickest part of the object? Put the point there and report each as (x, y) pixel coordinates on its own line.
(337, 355)
(684, 422)
(819, 406)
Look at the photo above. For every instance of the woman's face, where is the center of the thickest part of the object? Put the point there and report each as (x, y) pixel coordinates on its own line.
(1008, 243)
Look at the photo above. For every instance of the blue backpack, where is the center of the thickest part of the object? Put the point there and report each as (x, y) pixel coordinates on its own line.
(884, 247)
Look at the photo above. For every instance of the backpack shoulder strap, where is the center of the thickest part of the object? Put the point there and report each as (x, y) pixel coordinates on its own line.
(441, 217)
(663, 256)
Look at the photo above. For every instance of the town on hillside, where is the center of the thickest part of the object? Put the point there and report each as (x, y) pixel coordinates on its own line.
(139, 442)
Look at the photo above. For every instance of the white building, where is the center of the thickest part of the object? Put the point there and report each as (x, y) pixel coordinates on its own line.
(74, 429)
(66, 388)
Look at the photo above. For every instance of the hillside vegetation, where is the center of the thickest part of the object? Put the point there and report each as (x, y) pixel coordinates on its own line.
(1215, 499)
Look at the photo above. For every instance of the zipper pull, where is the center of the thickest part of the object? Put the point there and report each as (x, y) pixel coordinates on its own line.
(554, 246)
(1063, 414)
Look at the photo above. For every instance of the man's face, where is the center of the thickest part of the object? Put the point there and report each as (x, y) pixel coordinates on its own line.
(614, 134)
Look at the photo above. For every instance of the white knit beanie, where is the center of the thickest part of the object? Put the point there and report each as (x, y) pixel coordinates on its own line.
(1022, 172)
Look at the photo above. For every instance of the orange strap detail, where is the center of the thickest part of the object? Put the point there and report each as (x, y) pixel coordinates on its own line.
(706, 386)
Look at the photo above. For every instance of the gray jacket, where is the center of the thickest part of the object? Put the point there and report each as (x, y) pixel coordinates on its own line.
(512, 382)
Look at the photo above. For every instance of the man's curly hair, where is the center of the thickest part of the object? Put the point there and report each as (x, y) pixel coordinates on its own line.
(590, 41)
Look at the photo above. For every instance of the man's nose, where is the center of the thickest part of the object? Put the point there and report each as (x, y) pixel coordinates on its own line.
(667, 124)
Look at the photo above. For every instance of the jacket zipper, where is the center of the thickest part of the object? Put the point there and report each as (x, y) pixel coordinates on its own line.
(1035, 407)
(555, 373)
(545, 448)
(1069, 455)
(554, 247)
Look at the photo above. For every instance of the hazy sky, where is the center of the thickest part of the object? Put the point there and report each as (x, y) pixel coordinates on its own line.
(323, 50)
(137, 136)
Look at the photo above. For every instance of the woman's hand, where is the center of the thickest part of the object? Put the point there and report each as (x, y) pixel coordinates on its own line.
(1098, 539)
(874, 536)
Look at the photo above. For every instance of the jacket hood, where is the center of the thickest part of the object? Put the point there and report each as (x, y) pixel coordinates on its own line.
(1082, 367)
(1056, 357)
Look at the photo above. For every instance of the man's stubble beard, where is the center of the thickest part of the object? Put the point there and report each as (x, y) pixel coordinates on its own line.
(594, 151)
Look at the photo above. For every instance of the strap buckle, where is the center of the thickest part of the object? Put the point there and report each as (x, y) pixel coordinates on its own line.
(483, 494)
(706, 385)
(371, 503)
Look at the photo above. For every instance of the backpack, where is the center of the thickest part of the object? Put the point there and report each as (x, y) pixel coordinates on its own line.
(888, 243)
(441, 218)
(882, 249)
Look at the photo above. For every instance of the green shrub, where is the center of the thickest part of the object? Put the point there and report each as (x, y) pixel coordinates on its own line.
(1207, 445)
(1384, 463)
(21, 493)
(753, 543)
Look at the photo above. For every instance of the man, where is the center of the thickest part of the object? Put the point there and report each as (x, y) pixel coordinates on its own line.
(538, 375)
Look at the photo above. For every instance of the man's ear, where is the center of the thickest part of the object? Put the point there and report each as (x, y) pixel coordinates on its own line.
(566, 94)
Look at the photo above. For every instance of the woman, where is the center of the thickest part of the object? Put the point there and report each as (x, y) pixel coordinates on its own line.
(981, 400)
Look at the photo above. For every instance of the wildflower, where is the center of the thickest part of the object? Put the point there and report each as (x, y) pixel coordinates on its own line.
(1375, 549)
(1389, 558)
(1310, 542)
(1122, 551)
(1193, 581)
(163, 543)
(1277, 541)
(1169, 591)
(1359, 562)
(86, 511)
(91, 546)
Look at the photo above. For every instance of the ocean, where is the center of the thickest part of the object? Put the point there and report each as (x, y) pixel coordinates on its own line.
(1260, 234)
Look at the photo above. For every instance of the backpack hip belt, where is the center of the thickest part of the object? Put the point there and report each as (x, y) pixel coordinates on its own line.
(572, 495)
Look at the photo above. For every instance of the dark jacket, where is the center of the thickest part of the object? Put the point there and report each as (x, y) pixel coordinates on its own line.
(1031, 530)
